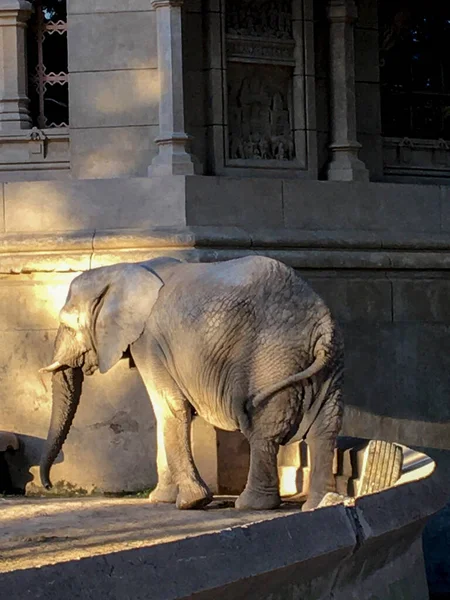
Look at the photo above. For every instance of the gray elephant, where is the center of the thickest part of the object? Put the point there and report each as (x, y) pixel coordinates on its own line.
(245, 343)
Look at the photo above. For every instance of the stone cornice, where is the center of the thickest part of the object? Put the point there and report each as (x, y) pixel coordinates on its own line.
(167, 3)
(335, 250)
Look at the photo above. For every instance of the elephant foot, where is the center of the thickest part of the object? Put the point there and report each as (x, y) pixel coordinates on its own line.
(193, 495)
(164, 494)
(313, 501)
(250, 500)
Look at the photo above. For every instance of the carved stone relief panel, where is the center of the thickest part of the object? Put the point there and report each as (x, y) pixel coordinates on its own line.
(261, 18)
(260, 112)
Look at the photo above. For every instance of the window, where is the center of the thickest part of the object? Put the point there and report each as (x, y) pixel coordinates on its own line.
(48, 85)
(415, 68)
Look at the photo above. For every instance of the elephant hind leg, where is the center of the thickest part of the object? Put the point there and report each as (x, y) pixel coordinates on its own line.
(321, 441)
(270, 425)
(262, 489)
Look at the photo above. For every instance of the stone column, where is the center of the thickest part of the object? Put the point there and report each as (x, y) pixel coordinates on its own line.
(345, 164)
(173, 157)
(14, 113)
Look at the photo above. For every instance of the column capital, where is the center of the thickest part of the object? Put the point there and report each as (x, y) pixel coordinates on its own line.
(342, 11)
(167, 3)
(14, 11)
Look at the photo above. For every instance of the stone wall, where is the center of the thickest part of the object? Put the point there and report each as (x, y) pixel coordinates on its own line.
(114, 87)
(378, 253)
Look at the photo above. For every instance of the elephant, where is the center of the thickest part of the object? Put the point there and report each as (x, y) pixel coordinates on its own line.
(244, 343)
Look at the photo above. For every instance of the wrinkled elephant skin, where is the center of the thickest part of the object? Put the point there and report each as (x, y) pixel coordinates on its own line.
(246, 343)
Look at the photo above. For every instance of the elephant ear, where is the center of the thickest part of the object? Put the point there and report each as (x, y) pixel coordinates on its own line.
(122, 310)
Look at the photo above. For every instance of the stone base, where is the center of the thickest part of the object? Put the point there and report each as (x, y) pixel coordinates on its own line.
(127, 548)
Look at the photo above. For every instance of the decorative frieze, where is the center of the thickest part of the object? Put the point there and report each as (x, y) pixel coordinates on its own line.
(240, 49)
(260, 18)
(407, 156)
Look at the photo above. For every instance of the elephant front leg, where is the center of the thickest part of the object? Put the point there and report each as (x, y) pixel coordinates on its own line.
(167, 490)
(262, 489)
(192, 490)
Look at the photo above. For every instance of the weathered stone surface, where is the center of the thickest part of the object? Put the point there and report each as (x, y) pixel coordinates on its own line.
(127, 41)
(112, 152)
(226, 201)
(352, 300)
(114, 98)
(371, 207)
(86, 204)
(125, 547)
(107, 6)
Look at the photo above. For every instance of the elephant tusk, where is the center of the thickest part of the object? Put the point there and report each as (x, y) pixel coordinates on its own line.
(51, 368)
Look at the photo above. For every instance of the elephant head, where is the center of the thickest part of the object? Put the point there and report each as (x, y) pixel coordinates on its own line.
(106, 310)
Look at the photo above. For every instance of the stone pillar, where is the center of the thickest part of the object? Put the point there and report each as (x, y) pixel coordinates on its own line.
(14, 113)
(345, 164)
(173, 157)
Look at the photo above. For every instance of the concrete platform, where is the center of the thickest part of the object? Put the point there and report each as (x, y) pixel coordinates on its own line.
(127, 549)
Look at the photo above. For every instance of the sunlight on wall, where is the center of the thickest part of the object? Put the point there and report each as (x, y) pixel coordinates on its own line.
(144, 88)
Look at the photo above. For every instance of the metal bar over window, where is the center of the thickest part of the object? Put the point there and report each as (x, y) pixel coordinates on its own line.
(48, 64)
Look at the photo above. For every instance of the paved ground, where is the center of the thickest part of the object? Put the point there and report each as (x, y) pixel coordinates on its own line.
(38, 532)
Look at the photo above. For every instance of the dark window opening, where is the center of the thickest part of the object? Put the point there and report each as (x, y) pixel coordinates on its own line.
(48, 82)
(415, 68)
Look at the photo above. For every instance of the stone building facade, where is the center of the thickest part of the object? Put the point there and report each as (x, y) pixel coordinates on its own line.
(314, 132)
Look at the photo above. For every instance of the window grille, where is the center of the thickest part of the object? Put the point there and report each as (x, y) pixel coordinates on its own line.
(48, 85)
(415, 68)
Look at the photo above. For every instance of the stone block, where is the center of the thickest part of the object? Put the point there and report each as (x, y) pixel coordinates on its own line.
(197, 143)
(356, 300)
(193, 42)
(214, 40)
(396, 386)
(222, 457)
(367, 15)
(195, 95)
(215, 101)
(371, 153)
(368, 111)
(102, 204)
(215, 135)
(226, 201)
(115, 98)
(106, 6)
(299, 88)
(368, 206)
(420, 300)
(127, 41)
(445, 207)
(32, 302)
(322, 105)
(112, 152)
(367, 55)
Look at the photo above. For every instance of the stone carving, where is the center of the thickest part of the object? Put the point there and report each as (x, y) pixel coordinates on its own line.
(257, 50)
(259, 116)
(260, 18)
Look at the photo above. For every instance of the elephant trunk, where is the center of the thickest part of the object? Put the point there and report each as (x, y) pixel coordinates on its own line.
(66, 391)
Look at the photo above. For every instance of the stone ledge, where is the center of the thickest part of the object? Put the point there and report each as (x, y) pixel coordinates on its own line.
(128, 548)
(77, 251)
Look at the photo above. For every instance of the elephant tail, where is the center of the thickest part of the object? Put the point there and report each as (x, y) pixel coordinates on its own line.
(325, 351)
